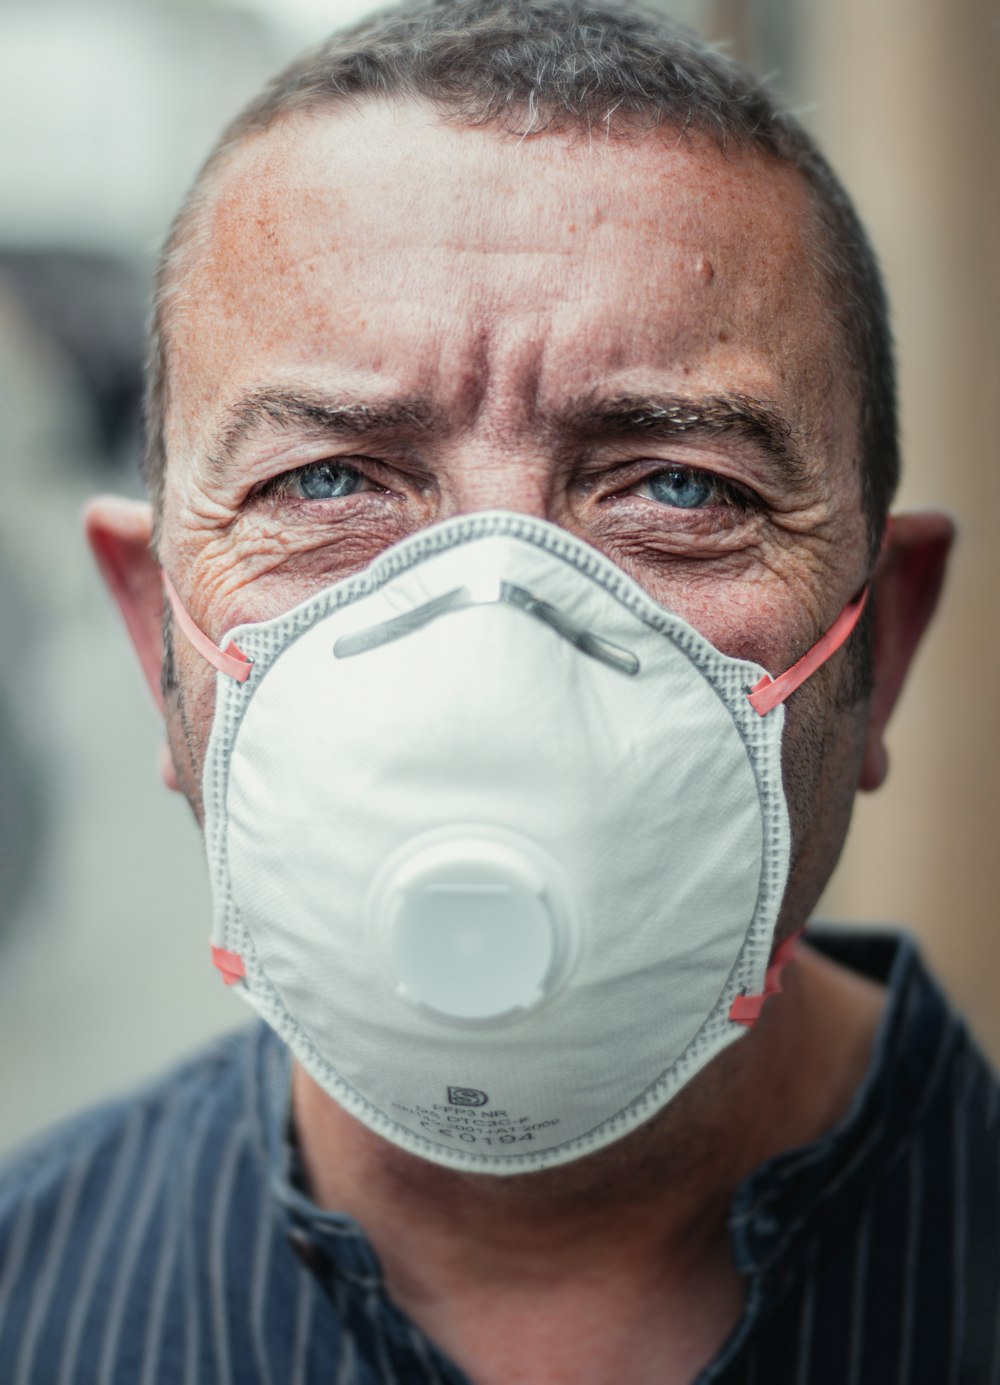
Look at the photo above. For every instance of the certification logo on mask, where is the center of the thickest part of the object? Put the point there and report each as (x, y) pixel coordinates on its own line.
(467, 1096)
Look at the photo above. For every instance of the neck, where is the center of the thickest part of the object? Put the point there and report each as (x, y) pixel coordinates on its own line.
(649, 1212)
(498, 1227)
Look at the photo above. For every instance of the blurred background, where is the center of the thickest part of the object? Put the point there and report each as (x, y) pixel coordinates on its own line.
(106, 112)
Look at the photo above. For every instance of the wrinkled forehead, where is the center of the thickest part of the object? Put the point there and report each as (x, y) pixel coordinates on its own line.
(385, 236)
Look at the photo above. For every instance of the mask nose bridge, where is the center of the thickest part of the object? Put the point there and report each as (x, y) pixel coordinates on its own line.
(507, 594)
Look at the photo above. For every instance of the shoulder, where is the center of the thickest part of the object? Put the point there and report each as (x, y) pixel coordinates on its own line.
(86, 1210)
(927, 1070)
(921, 1034)
(912, 1197)
(205, 1085)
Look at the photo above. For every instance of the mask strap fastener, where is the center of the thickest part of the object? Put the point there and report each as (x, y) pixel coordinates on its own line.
(746, 1009)
(230, 964)
(769, 692)
(231, 660)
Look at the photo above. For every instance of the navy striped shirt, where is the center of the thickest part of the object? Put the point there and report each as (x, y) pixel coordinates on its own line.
(164, 1240)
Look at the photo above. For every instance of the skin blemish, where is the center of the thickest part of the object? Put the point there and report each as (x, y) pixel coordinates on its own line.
(704, 269)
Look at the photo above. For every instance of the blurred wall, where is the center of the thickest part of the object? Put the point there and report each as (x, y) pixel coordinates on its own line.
(107, 111)
(908, 107)
(904, 98)
(104, 908)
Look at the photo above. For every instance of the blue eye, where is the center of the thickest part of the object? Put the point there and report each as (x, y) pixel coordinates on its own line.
(326, 480)
(680, 487)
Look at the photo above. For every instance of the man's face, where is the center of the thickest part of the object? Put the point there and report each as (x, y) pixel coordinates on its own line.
(385, 321)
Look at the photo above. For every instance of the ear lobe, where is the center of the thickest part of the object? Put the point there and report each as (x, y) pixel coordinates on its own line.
(119, 532)
(907, 584)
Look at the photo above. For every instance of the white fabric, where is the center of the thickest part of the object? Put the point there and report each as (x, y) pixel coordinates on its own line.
(652, 803)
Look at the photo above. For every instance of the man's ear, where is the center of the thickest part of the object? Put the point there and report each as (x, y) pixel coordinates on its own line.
(119, 532)
(907, 584)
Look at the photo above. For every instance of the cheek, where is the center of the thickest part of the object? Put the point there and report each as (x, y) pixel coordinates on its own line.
(825, 728)
(746, 607)
(805, 749)
(189, 709)
(821, 761)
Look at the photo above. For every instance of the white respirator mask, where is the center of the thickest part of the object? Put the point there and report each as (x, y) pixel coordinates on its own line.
(497, 843)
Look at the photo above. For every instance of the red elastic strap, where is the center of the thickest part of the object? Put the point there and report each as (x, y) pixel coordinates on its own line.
(746, 1009)
(766, 694)
(230, 660)
(230, 964)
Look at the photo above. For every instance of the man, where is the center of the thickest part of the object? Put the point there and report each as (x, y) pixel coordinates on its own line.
(566, 272)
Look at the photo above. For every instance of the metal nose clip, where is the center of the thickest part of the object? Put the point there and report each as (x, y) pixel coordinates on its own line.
(462, 599)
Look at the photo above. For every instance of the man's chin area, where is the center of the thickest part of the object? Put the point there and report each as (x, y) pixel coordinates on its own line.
(676, 1144)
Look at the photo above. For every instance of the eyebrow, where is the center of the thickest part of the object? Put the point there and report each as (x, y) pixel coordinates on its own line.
(276, 410)
(279, 409)
(752, 420)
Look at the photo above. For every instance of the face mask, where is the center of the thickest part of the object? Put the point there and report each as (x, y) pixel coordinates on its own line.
(497, 843)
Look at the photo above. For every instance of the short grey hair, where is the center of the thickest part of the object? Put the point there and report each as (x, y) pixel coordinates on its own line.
(524, 66)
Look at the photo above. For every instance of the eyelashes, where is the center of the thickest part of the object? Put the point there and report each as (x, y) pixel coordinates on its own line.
(329, 479)
(667, 488)
(690, 489)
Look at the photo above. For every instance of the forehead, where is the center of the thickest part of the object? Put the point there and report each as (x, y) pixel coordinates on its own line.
(425, 258)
